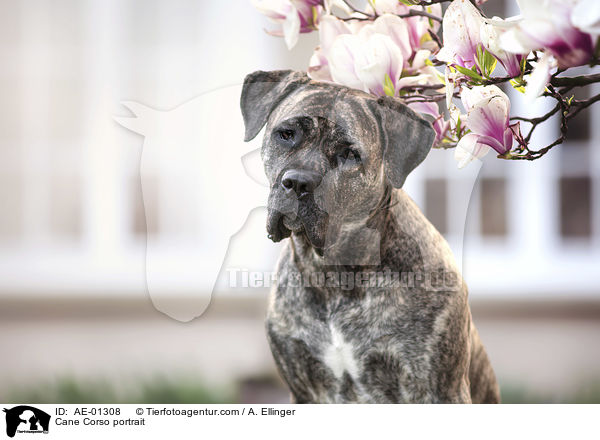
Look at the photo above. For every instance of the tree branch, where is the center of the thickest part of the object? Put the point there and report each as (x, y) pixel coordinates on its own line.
(575, 81)
(430, 2)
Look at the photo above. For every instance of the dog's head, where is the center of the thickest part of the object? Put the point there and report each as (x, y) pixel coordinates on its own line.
(329, 151)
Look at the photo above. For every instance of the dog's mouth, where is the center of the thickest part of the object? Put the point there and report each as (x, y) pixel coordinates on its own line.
(308, 221)
(276, 227)
(293, 223)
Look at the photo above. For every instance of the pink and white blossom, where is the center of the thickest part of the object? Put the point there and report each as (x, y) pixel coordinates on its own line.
(360, 55)
(490, 32)
(294, 16)
(418, 26)
(330, 28)
(363, 61)
(487, 118)
(439, 124)
(396, 28)
(548, 25)
(461, 32)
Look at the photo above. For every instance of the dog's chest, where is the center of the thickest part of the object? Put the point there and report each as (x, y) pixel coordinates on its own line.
(347, 356)
(339, 355)
(320, 365)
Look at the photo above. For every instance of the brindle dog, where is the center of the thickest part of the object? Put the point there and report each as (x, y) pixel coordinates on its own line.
(369, 305)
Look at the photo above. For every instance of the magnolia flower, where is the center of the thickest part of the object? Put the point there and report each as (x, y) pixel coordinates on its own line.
(337, 52)
(461, 32)
(366, 61)
(395, 28)
(329, 29)
(548, 24)
(425, 76)
(487, 117)
(360, 55)
(490, 32)
(439, 124)
(418, 27)
(295, 16)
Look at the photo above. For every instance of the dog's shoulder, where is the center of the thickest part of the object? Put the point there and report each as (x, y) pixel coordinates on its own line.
(409, 221)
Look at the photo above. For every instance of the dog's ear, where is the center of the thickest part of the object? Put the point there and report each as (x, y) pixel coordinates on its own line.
(262, 92)
(406, 138)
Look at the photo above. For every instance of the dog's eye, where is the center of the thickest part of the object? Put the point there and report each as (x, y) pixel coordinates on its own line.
(348, 156)
(286, 134)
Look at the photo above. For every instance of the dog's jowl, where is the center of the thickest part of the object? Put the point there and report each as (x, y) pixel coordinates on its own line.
(369, 305)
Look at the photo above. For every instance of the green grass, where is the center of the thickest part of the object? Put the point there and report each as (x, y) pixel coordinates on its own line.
(185, 390)
(156, 390)
(588, 393)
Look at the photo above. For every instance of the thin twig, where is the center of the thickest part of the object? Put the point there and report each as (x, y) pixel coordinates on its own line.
(435, 38)
(424, 87)
(417, 13)
(351, 6)
(582, 105)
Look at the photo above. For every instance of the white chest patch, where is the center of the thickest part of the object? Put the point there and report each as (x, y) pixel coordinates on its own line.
(339, 356)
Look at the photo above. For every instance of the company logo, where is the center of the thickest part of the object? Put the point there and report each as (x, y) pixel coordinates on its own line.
(26, 419)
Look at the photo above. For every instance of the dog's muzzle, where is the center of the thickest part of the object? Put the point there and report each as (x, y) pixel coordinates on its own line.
(292, 208)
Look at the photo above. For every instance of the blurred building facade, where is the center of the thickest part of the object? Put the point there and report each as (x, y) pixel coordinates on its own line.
(72, 213)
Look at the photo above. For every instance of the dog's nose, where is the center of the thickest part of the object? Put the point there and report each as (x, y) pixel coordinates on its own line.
(300, 181)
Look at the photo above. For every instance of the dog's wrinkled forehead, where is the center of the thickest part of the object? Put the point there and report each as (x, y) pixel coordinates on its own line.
(345, 112)
(405, 136)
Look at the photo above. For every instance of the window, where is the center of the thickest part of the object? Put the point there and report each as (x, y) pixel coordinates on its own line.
(575, 207)
(493, 207)
(579, 126)
(575, 183)
(436, 203)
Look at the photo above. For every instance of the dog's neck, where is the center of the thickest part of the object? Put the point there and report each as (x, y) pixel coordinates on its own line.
(357, 245)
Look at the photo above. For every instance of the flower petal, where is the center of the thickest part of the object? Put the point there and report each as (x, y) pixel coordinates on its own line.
(539, 78)
(469, 148)
(396, 28)
(470, 97)
(516, 41)
(329, 29)
(318, 67)
(431, 108)
(586, 16)
(291, 28)
(490, 33)
(489, 117)
(379, 57)
(275, 10)
(547, 25)
(449, 79)
(342, 60)
(460, 28)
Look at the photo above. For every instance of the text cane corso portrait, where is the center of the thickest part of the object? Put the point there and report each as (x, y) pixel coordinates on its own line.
(369, 306)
